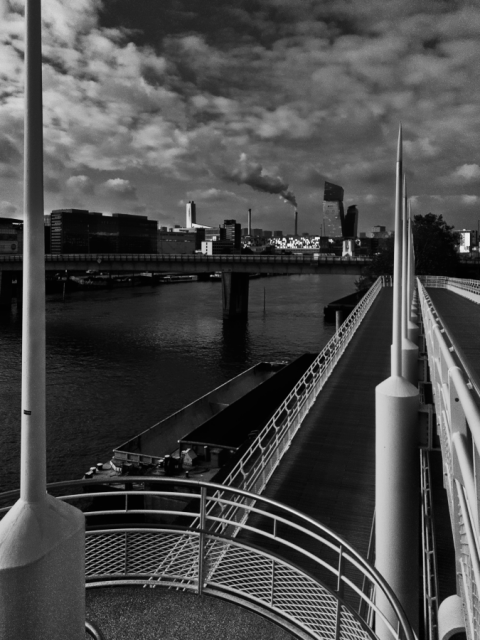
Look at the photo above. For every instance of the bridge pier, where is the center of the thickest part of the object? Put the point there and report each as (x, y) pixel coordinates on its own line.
(235, 294)
(6, 290)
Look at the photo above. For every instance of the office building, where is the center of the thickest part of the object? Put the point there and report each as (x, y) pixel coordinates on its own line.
(82, 231)
(215, 247)
(11, 235)
(332, 210)
(215, 234)
(233, 232)
(350, 223)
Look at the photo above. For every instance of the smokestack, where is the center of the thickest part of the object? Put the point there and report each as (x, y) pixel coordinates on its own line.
(191, 214)
(296, 222)
(249, 223)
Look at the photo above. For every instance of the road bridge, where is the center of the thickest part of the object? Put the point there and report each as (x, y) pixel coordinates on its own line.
(236, 269)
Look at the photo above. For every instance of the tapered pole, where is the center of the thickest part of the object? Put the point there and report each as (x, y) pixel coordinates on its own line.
(33, 454)
(409, 349)
(42, 540)
(396, 460)
(396, 353)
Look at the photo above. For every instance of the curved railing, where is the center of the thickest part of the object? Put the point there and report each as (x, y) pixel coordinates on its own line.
(257, 464)
(276, 561)
(458, 421)
(465, 287)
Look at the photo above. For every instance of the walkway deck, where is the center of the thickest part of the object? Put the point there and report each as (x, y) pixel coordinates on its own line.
(461, 318)
(329, 470)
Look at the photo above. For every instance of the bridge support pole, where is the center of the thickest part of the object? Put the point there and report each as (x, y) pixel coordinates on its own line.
(235, 288)
(397, 496)
(6, 290)
(42, 576)
(397, 474)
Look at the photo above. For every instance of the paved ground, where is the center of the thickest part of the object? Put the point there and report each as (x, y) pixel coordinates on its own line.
(135, 613)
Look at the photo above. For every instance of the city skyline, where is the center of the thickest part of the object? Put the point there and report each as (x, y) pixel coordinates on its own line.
(256, 105)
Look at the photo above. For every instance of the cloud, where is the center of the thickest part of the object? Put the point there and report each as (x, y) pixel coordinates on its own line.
(80, 185)
(9, 154)
(213, 195)
(7, 208)
(466, 173)
(467, 199)
(120, 187)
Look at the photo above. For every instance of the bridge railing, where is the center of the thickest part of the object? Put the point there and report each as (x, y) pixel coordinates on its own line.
(282, 564)
(458, 423)
(105, 258)
(259, 461)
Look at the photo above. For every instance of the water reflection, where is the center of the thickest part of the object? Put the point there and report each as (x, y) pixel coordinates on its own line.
(119, 361)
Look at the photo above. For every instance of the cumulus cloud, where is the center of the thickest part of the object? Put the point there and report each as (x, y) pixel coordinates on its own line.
(467, 199)
(466, 172)
(80, 185)
(298, 84)
(120, 187)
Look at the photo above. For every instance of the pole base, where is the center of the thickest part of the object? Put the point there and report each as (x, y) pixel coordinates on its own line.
(42, 571)
(396, 496)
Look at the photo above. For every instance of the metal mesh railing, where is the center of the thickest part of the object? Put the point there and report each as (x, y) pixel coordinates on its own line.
(277, 561)
(458, 421)
(257, 464)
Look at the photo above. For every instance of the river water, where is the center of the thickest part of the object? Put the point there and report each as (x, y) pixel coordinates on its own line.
(120, 360)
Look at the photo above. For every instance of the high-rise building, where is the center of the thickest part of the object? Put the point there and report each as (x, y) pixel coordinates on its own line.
(191, 214)
(332, 210)
(350, 223)
(233, 232)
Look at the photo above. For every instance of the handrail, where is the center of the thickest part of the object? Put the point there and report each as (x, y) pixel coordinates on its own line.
(93, 631)
(261, 458)
(293, 568)
(458, 415)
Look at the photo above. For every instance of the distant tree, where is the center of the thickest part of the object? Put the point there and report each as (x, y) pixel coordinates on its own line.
(435, 245)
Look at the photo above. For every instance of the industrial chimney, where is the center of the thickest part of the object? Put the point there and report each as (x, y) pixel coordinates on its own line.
(249, 223)
(296, 223)
(191, 214)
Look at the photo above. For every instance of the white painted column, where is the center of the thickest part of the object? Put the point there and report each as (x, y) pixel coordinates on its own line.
(396, 459)
(409, 349)
(42, 593)
(413, 328)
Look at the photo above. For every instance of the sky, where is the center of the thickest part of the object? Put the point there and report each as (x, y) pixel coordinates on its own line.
(149, 104)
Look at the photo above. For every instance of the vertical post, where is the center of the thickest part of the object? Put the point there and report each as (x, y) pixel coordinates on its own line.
(409, 349)
(201, 541)
(413, 328)
(42, 592)
(396, 461)
(396, 352)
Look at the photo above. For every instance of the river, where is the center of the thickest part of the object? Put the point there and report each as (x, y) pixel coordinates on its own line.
(120, 360)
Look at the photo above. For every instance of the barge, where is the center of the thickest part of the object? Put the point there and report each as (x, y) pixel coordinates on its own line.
(206, 438)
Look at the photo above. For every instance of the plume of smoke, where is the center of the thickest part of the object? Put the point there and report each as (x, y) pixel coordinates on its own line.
(255, 176)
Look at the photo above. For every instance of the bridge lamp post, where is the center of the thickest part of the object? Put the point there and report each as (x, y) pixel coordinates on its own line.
(396, 458)
(42, 577)
(409, 348)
